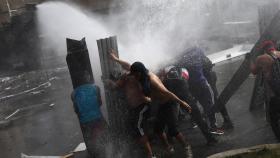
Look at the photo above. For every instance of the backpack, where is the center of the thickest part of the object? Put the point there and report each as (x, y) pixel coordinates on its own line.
(177, 73)
(275, 75)
(176, 81)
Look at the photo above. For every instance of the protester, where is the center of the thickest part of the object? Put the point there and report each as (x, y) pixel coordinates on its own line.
(139, 105)
(269, 65)
(176, 80)
(152, 86)
(87, 101)
(199, 86)
(211, 78)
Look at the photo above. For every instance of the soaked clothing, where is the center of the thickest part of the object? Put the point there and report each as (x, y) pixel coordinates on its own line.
(138, 119)
(199, 86)
(95, 135)
(211, 77)
(167, 116)
(193, 62)
(204, 94)
(86, 99)
(274, 105)
(181, 89)
(86, 104)
(207, 64)
(274, 82)
(274, 113)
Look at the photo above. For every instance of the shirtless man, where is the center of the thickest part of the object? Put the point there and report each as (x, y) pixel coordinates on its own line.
(139, 105)
(87, 102)
(152, 86)
(269, 65)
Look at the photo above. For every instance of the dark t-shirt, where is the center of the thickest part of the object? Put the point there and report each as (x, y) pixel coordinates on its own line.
(179, 87)
(193, 60)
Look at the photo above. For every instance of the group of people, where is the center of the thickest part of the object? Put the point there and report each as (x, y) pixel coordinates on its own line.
(175, 85)
(180, 85)
(141, 88)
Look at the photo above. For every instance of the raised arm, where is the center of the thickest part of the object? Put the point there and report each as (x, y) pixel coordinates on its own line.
(125, 65)
(158, 85)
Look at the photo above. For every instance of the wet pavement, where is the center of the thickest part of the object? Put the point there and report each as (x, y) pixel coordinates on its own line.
(45, 122)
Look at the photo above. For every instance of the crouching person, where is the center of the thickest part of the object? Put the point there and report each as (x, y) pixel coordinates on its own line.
(87, 101)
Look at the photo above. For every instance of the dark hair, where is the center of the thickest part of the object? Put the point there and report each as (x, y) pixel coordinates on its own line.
(144, 77)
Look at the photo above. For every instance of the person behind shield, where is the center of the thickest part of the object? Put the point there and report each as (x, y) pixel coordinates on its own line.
(87, 102)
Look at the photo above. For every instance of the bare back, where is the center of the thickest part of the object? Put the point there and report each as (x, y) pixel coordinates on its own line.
(264, 64)
(133, 92)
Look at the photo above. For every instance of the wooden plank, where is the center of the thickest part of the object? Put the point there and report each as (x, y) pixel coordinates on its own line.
(78, 61)
(271, 33)
(108, 43)
(114, 98)
(106, 65)
(99, 45)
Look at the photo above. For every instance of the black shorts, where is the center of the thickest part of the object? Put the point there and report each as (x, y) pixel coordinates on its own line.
(167, 116)
(138, 119)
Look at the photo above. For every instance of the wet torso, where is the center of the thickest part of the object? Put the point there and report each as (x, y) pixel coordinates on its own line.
(133, 92)
(265, 63)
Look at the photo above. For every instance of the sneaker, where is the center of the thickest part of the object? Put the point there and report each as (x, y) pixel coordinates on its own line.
(194, 125)
(188, 150)
(153, 156)
(217, 131)
(171, 150)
